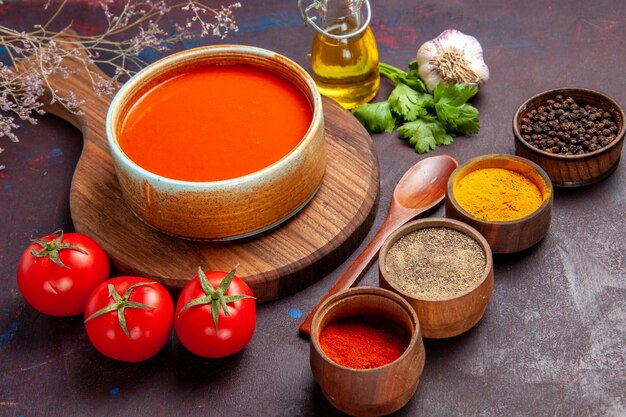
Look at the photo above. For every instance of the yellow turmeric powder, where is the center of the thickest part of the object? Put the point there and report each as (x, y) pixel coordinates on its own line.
(497, 194)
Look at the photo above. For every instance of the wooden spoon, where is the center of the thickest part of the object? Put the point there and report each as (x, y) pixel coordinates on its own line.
(420, 189)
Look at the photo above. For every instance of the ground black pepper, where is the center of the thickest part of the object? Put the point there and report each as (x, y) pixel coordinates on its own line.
(562, 126)
(435, 263)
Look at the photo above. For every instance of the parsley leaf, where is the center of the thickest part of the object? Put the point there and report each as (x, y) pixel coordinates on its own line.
(376, 117)
(412, 78)
(425, 134)
(463, 119)
(426, 120)
(454, 94)
(453, 110)
(409, 103)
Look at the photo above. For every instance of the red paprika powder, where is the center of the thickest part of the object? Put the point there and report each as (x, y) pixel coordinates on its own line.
(364, 342)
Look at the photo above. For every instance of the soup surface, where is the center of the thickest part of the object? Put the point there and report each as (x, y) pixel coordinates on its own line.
(215, 123)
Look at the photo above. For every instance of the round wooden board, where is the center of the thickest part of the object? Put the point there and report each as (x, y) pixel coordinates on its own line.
(276, 263)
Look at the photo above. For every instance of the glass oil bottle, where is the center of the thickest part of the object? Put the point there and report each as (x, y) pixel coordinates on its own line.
(344, 55)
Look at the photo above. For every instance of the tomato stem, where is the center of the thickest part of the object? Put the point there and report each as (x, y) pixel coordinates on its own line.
(215, 297)
(121, 303)
(51, 249)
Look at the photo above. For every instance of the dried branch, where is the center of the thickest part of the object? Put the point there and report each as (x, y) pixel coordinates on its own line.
(21, 92)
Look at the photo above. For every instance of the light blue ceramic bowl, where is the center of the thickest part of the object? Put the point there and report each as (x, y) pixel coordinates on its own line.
(232, 208)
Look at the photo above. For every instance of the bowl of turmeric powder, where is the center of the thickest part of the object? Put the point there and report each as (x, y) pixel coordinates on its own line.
(507, 198)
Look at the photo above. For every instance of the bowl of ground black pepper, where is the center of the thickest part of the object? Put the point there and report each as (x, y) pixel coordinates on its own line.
(367, 353)
(576, 135)
(444, 269)
(507, 198)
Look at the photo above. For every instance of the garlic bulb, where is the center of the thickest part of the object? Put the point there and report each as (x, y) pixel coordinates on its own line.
(452, 57)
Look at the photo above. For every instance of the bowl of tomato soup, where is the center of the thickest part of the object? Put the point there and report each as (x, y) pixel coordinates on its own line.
(218, 142)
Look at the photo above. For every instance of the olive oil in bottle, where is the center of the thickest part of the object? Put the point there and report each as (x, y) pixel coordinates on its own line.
(344, 55)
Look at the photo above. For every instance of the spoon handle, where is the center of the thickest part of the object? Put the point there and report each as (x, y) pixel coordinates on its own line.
(356, 270)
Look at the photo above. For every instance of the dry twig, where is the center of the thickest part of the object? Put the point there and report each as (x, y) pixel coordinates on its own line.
(21, 93)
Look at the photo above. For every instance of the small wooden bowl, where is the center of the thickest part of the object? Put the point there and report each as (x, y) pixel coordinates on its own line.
(441, 318)
(507, 236)
(573, 170)
(232, 208)
(376, 391)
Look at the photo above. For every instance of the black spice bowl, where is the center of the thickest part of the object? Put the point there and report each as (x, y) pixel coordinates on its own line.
(578, 169)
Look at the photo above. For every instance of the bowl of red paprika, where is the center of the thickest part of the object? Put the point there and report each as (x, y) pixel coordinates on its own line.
(367, 353)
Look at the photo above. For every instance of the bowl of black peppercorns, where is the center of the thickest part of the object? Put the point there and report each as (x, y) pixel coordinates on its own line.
(576, 135)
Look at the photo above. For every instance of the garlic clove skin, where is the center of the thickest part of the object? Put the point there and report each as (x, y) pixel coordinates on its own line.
(452, 57)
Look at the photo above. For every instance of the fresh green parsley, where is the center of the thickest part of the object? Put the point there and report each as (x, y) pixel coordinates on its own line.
(425, 134)
(376, 117)
(411, 78)
(408, 103)
(453, 110)
(426, 120)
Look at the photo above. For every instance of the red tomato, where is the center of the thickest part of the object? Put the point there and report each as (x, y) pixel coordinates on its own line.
(57, 273)
(223, 334)
(129, 318)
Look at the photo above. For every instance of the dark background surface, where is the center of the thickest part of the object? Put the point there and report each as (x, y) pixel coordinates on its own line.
(552, 342)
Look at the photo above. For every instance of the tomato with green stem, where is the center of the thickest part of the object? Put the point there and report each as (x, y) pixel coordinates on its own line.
(56, 273)
(129, 318)
(215, 314)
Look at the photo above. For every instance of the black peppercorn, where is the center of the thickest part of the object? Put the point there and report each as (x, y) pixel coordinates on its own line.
(560, 125)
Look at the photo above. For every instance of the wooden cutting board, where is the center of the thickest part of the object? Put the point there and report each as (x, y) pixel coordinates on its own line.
(276, 263)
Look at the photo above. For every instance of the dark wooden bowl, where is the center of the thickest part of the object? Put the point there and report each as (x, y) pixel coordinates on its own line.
(440, 318)
(368, 392)
(573, 170)
(509, 236)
